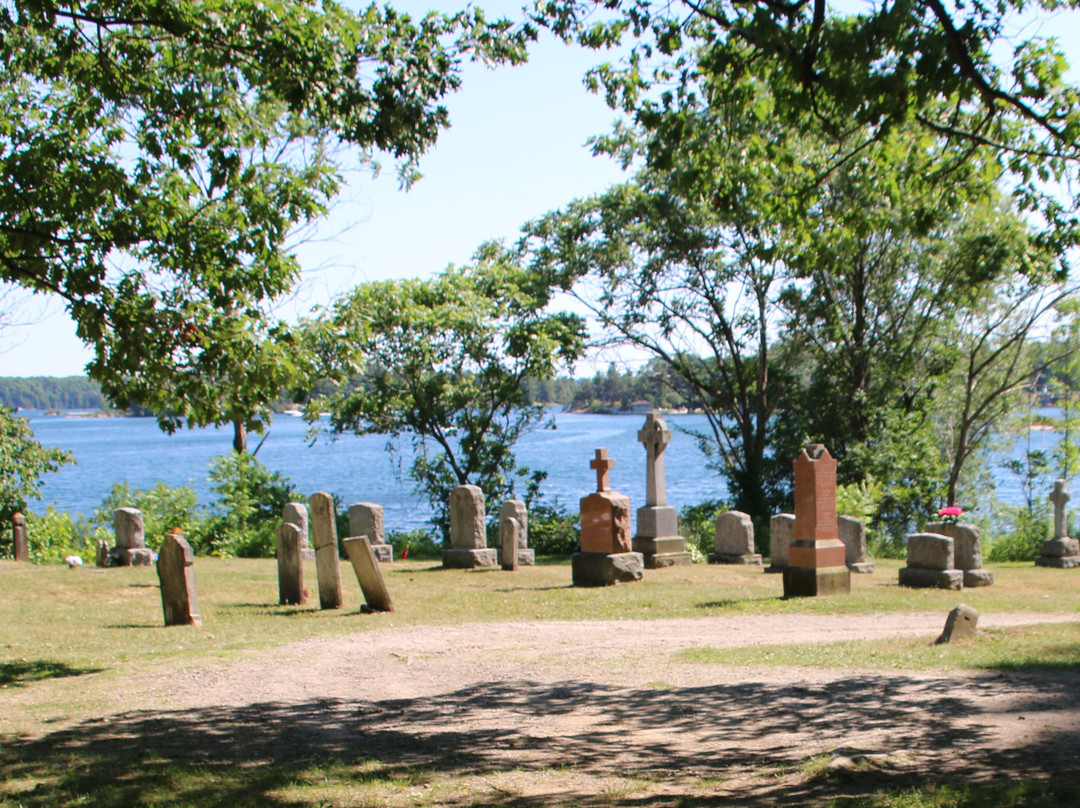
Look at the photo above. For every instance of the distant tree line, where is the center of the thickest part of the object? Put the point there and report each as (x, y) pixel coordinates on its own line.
(52, 393)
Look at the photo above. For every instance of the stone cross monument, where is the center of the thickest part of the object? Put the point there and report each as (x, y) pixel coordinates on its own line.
(816, 557)
(657, 537)
(606, 555)
(1060, 551)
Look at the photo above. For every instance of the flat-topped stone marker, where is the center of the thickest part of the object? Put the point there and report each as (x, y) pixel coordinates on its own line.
(20, 546)
(930, 563)
(657, 537)
(176, 572)
(468, 531)
(366, 519)
(853, 535)
(516, 509)
(130, 549)
(509, 530)
(733, 540)
(781, 531)
(816, 557)
(606, 556)
(324, 537)
(290, 565)
(967, 551)
(368, 574)
(1061, 551)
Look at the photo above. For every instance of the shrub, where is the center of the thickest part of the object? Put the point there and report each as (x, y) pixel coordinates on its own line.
(421, 544)
(697, 523)
(1026, 528)
(53, 535)
(247, 510)
(553, 530)
(164, 509)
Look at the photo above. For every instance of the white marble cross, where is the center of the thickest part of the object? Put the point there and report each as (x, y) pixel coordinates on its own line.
(656, 435)
(1060, 496)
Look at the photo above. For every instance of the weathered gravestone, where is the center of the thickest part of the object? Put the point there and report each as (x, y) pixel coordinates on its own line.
(296, 513)
(366, 519)
(468, 531)
(176, 572)
(606, 556)
(853, 535)
(130, 549)
(1060, 551)
(515, 509)
(290, 565)
(509, 530)
(657, 537)
(816, 557)
(967, 551)
(781, 531)
(368, 574)
(733, 541)
(20, 547)
(930, 563)
(959, 625)
(324, 537)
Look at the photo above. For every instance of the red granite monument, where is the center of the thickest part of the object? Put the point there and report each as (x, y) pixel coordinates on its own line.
(816, 557)
(606, 556)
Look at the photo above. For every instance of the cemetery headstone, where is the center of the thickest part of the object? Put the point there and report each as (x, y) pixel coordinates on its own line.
(130, 549)
(515, 509)
(606, 556)
(967, 551)
(853, 535)
(733, 541)
(657, 537)
(366, 519)
(1061, 551)
(468, 531)
(324, 537)
(816, 557)
(289, 565)
(781, 531)
(176, 572)
(296, 513)
(19, 544)
(361, 554)
(930, 563)
(509, 529)
(959, 625)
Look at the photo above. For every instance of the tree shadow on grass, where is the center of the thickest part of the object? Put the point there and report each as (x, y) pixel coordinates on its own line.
(21, 673)
(564, 740)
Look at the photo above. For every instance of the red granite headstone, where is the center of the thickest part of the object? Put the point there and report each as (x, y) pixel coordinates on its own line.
(816, 557)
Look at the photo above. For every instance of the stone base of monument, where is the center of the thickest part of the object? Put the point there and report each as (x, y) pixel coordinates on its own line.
(669, 551)
(862, 567)
(123, 557)
(383, 552)
(810, 582)
(606, 569)
(526, 556)
(461, 559)
(1060, 553)
(731, 558)
(1058, 562)
(919, 578)
(979, 577)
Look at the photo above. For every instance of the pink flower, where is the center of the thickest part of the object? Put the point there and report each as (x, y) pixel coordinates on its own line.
(951, 510)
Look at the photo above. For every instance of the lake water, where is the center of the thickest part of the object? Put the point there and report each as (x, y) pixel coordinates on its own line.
(110, 450)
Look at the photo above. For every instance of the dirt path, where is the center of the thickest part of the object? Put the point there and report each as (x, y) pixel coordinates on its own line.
(606, 713)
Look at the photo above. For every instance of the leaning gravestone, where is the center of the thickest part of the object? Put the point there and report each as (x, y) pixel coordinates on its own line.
(368, 574)
(366, 519)
(176, 572)
(853, 535)
(290, 565)
(733, 541)
(816, 557)
(130, 549)
(930, 563)
(1060, 551)
(296, 513)
(509, 530)
(967, 551)
(657, 537)
(20, 547)
(606, 557)
(781, 529)
(515, 509)
(324, 537)
(959, 625)
(468, 531)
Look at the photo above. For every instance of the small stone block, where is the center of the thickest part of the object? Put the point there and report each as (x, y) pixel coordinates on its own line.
(959, 625)
(659, 561)
(526, 557)
(862, 568)
(368, 575)
(810, 582)
(1058, 562)
(606, 569)
(919, 578)
(383, 553)
(134, 556)
(647, 547)
(979, 577)
(729, 558)
(459, 558)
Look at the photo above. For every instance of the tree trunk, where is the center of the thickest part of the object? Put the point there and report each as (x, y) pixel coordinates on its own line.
(239, 442)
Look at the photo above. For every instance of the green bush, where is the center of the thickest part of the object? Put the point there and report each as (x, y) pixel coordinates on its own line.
(553, 530)
(164, 509)
(1025, 530)
(53, 535)
(421, 544)
(697, 523)
(247, 511)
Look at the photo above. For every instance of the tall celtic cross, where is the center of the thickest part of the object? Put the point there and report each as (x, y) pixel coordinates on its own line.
(655, 435)
(1060, 497)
